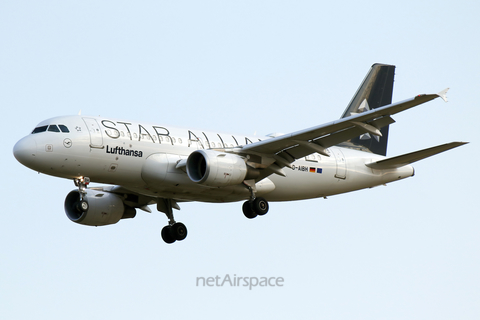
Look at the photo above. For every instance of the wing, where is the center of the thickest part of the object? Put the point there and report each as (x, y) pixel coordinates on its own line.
(129, 197)
(281, 151)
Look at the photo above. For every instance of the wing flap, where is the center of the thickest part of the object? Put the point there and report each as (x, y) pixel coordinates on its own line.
(352, 132)
(406, 159)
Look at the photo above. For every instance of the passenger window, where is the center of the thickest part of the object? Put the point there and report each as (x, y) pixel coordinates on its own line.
(63, 128)
(53, 128)
(40, 129)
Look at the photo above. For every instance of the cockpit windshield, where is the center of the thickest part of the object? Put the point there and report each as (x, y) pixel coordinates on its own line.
(40, 129)
(51, 128)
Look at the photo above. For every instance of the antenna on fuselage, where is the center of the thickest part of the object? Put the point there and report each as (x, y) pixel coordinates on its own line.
(80, 112)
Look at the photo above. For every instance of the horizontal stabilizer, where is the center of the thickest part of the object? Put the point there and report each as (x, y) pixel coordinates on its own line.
(403, 160)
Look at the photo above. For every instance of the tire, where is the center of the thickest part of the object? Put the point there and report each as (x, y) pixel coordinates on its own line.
(84, 205)
(179, 231)
(167, 235)
(260, 206)
(248, 210)
(81, 206)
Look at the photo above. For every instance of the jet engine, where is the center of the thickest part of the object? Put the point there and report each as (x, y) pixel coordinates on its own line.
(218, 169)
(98, 208)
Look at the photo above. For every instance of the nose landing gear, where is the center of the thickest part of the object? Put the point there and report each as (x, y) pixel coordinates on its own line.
(82, 205)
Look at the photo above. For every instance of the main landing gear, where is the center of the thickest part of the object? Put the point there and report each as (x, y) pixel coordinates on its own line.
(254, 206)
(174, 230)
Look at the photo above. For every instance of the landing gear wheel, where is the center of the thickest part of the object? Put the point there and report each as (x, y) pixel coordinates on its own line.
(167, 235)
(248, 210)
(260, 206)
(179, 231)
(81, 206)
(175, 230)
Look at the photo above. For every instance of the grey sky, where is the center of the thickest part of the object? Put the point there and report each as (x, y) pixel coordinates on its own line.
(406, 251)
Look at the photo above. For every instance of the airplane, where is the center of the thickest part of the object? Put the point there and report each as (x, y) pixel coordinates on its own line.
(148, 163)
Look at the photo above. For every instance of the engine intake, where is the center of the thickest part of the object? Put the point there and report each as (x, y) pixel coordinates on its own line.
(103, 208)
(217, 169)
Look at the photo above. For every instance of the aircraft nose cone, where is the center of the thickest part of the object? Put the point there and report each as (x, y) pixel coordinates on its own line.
(25, 151)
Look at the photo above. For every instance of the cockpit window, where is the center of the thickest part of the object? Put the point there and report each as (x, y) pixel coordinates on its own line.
(40, 129)
(53, 128)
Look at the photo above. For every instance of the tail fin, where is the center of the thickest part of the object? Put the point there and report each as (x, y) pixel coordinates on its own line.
(375, 91)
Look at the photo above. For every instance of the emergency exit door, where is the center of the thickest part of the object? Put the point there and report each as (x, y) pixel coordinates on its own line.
(341, 172)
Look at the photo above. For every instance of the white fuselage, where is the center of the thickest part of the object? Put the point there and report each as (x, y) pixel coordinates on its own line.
(143, 158)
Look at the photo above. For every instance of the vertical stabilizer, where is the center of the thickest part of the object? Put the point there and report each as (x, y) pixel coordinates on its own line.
(375, 91)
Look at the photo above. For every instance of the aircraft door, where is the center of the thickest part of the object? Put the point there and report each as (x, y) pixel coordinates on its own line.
(96, 139)
(341, 172)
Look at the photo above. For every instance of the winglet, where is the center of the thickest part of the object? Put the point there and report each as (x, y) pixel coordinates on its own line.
(443, 94)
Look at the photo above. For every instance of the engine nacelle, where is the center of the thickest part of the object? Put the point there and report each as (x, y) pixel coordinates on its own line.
(103, 208)
(216, 169)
